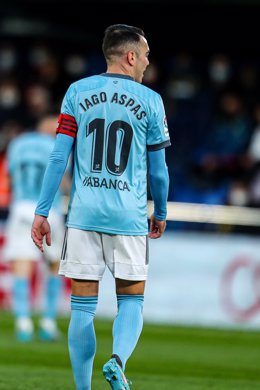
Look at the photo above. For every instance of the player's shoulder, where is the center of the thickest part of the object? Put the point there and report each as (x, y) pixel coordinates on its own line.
(30, 138)
(17, 145)
(144, 92)
(87, 83)
(21, 138)
(151, 93)
(148, 90)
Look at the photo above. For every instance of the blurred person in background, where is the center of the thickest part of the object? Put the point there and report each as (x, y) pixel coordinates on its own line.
(27, 157)
(38, 102)
(251, 185)
(8, 131)
(117, 129)
(220, 75)
(8, 58)
(10, 100)
(219, 160)
(248, 84)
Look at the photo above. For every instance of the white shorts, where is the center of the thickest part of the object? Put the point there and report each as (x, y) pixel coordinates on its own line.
(86, 254)
(19, 244)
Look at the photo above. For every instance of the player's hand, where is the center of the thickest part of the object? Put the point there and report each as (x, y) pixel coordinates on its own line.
(156, 227)
(40, 229)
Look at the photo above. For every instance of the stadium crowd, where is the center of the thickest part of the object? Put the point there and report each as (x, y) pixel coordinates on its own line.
(212, 106)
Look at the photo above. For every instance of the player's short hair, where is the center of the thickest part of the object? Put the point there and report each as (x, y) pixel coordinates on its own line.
(117, 37)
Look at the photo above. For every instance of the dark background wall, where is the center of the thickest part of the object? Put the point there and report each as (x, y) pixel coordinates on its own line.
(202, 27)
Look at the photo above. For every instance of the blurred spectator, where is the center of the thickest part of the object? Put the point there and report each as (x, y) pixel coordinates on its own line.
(35, 75)
(185, 105)
(220, 78)
(252, 162)
(219, 160)
(8, 131)
(10, 100)
(44, 64)
(248, 84)
(75, 65)
(151, 76)
(220, 71)
(254, 145)
(38, 103)
(8, 58)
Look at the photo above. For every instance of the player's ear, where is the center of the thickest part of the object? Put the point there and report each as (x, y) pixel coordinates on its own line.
(131, 57)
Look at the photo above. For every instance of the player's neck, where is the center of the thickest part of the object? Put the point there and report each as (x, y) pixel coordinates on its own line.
(119, 69)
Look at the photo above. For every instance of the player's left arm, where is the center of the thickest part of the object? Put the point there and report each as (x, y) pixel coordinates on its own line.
(157, 140)
(159, 186)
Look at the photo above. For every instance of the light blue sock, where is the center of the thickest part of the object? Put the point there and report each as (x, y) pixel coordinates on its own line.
(53, 289)
(21, 297)
(82, 339)
(127, 326)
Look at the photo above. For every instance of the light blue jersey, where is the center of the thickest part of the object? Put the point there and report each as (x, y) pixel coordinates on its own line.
(114, 120)
(27, 157)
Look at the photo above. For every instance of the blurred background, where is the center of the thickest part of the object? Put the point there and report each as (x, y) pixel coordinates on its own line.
(205, 64)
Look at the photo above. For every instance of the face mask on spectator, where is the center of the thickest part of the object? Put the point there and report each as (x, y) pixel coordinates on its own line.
(219, 72)
(9, 96)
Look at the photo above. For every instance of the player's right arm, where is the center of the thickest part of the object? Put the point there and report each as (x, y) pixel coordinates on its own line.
(51, 182)
(40, 229)
(54, 172)
(66, 134)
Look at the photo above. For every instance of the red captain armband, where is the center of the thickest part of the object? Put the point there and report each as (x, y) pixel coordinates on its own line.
(67, 125)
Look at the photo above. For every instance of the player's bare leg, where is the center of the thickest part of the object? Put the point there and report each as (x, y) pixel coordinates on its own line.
(130, 287)
(84, 288)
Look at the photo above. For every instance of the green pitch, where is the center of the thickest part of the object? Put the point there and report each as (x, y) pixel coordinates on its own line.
(167, 358)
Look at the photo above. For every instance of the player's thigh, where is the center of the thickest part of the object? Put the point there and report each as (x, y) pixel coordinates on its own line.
(127, 257)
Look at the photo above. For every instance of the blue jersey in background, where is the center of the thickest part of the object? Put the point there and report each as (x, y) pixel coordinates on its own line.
(27, 158)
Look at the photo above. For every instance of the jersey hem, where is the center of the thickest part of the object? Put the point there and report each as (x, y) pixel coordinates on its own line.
(108, 231)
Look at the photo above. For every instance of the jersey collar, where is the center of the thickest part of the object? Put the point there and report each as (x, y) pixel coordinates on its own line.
(120, 76)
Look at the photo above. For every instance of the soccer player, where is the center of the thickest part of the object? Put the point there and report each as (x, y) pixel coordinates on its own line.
(27, 157)
(117, 129)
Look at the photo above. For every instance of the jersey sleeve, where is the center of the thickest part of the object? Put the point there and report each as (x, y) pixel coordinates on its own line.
(54, 173)
(159, 182)
(158, 133)
(66, 122)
